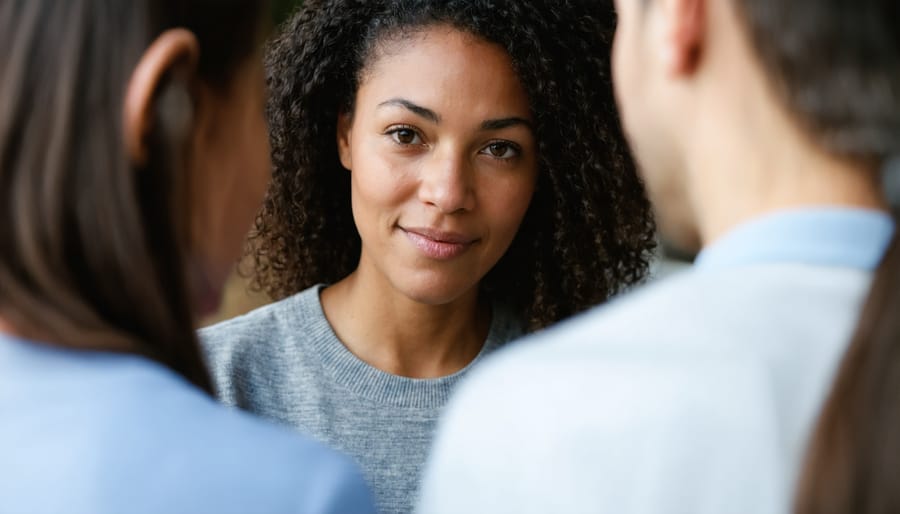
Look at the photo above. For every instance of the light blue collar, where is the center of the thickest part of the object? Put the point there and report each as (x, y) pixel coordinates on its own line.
(855, 238)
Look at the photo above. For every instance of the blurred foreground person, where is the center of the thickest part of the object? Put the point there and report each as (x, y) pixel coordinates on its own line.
(760, 127)
(133, 157)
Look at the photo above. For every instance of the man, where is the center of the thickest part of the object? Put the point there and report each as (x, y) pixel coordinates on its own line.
(760, 126)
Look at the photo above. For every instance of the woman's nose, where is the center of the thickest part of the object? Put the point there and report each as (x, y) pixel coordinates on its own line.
(446, 183)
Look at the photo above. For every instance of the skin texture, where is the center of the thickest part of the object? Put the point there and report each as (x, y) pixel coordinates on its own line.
(678, 60)
(437, 196)
(228, 163)
(230, 168)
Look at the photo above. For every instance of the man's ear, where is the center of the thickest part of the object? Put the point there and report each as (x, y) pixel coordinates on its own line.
(685, 29)
(344, 126)
(172, 56)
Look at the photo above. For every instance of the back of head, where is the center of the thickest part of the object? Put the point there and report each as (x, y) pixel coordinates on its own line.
(92, 247)
(732, 104)
(836, 66)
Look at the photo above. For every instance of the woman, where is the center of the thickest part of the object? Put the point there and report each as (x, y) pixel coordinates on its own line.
(133, 155)
(448, 175)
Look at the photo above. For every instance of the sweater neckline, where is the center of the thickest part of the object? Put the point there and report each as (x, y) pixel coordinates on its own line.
(365, 380)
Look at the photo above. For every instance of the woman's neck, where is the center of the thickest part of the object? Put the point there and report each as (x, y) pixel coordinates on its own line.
(401, 336)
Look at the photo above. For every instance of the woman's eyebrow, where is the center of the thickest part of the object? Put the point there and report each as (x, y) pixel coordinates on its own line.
(428, 114)
(420, 111)
(502, 123)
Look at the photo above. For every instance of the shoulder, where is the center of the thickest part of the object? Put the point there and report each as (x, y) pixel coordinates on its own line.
(138, 438)
(277, 317)
(263, 341)
(626, 438)
(559, 433)
(669, 387)
(624, 402)
(700, 314)
(681, 333)
(225, 460)
(644, 344)
(630, 323)
(250, 465)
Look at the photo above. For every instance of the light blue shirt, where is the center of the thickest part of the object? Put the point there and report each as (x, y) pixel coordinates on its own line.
(694, 395)
(853, 238)
(94, 433)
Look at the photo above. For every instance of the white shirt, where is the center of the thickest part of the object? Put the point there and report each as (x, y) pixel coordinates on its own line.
(695, 395)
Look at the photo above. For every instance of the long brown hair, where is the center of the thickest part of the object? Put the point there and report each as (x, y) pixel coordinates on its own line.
(92, 251)
(854, 457)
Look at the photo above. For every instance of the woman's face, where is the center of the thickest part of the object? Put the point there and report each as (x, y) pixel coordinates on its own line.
(443, 162)
(230, 170)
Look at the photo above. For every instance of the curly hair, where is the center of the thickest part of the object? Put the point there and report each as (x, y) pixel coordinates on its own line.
(588, 232)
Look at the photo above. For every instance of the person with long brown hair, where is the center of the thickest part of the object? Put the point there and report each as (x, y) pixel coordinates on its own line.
(133, 157)
(760, 128)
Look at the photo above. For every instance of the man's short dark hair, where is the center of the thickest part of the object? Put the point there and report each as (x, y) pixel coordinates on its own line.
(836, 65)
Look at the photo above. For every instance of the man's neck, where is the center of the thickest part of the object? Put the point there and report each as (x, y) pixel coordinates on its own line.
(750, 173)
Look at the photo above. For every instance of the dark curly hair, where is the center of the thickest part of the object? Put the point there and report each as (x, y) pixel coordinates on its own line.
(588, 232)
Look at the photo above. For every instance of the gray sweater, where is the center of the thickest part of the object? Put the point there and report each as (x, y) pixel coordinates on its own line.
(284, 362)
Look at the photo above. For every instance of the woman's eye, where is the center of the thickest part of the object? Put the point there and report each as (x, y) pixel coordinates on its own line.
(500, 150)
(405, 136)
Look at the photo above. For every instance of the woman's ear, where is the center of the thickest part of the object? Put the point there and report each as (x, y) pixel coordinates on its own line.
(344, 126)
(172, 56)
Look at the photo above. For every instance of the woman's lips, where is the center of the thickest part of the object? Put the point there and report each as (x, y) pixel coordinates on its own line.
(436, 244)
